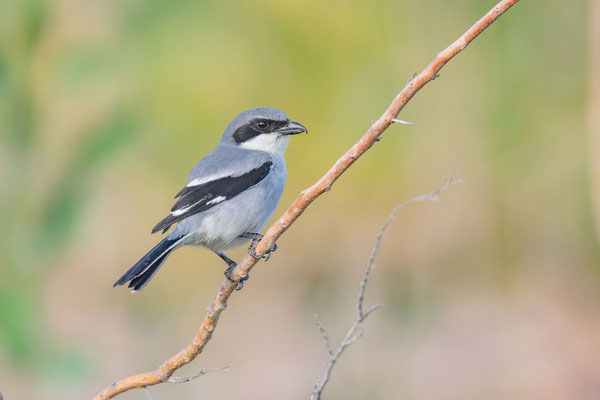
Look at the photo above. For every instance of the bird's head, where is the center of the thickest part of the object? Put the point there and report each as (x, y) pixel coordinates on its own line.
(265, 129)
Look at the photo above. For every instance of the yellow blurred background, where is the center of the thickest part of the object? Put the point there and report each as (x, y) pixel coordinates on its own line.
(491, 293)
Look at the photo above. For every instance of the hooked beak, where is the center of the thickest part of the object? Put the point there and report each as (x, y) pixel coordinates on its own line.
(292, 128)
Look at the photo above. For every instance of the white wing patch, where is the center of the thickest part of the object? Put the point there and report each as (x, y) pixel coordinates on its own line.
(216, 200)
(203, 180)
(181, 211)
(177, 213)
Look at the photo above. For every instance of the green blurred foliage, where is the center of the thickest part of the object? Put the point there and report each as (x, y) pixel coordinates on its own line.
(63, 207)
(39, 224)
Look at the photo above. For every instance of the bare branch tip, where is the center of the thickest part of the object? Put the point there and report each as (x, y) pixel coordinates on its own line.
(374, 307)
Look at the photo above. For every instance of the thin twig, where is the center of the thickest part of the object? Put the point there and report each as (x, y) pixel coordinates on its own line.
(179, 379)
(219, 303)
(183, 379)
(356, 330)
(325, 335)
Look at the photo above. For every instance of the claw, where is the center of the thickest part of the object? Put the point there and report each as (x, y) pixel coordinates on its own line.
(266, 256)
(240, 283)
(228, 271)
(256, 237)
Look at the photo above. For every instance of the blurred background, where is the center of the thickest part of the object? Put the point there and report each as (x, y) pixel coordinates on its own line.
(493, 292)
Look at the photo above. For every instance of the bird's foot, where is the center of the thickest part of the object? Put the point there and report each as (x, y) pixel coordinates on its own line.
(256, 237)
(240, 283)
(266, 256)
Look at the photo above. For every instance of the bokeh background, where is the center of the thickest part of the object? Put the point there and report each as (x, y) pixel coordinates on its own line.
(493, 292)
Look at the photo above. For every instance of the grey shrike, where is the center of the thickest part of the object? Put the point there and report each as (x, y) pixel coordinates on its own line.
(231, 194)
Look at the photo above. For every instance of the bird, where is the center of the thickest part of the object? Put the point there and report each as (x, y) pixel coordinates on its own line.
(230, 194)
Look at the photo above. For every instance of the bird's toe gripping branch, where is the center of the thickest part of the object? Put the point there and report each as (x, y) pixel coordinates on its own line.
(240, 283)
(256, 237)
(266, 256)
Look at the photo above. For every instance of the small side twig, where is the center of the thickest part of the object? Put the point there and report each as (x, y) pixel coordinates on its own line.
(356, 330)
(183, 379)
(325, 335)
(178, 379)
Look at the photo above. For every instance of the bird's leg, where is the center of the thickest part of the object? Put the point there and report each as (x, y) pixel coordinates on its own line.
(256, 237)
(232, 264)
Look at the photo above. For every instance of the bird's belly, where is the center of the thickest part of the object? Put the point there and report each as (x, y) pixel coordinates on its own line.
(220, 231)
(219, 228)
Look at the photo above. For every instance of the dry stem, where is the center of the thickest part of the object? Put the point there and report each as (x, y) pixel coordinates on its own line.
(219, 303)
(356, 330)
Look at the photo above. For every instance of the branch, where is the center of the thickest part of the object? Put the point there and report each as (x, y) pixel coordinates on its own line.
(356, 330)
(219, 303)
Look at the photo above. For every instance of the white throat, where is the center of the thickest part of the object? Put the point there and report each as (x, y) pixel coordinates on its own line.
(271, 143)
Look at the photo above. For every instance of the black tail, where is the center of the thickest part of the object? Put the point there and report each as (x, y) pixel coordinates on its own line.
(140, 274)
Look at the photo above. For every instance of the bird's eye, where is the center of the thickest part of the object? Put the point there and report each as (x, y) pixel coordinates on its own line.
(262, 124)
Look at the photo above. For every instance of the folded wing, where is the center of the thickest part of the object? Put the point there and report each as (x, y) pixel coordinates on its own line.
(200, 195)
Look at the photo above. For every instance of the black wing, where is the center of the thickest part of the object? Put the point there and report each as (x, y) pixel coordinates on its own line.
(194, 199)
